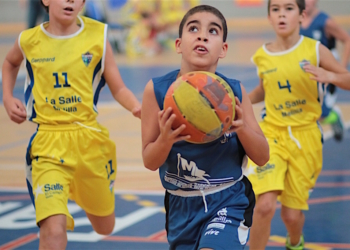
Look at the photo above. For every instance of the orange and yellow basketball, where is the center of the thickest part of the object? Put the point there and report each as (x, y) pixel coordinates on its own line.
(204, 102)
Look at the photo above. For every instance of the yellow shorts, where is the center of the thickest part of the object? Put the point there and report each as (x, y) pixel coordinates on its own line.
(75, 161)
(294, 165)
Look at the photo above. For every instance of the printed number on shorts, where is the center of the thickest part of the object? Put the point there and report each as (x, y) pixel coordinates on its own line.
(288, 86)
(58, 85)
(109, 169)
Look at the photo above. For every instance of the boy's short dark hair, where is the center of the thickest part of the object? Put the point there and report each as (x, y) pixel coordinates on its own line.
(300, 3)
(204, 8)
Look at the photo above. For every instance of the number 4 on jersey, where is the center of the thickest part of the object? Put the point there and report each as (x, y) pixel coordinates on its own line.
(288, 86)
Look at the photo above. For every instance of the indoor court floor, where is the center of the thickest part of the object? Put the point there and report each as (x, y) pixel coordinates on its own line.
(140, 216)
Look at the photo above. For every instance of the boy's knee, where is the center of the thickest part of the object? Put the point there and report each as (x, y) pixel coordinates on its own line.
(106, 229)
(265, 208)
(291, 218)
(102, 225)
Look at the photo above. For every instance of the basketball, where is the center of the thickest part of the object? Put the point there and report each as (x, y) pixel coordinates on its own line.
(204, 102)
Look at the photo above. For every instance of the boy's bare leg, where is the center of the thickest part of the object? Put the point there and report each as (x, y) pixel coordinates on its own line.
(102, 224)
(263, 213)
(294, 221)
(53, 233)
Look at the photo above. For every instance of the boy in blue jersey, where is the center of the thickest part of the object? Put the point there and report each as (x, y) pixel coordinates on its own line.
(68, 61)
(318, 25)
(209, 203)
(290, 69)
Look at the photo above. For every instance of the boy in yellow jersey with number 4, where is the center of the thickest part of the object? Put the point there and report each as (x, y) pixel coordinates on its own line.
(290, 70)
(68, 61)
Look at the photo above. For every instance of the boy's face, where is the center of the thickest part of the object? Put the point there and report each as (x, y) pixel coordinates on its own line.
(202, 43)
(310, 5)
(284, 16)
(65, 10)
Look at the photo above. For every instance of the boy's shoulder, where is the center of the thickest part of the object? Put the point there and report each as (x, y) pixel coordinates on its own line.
(91, 22)
(171, 76)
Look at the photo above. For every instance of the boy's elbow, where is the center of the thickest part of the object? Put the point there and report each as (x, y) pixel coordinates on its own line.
(149, 165)
(264, 158)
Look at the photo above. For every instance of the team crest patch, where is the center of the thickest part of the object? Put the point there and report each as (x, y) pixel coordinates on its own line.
(87, 57)
(303, 63)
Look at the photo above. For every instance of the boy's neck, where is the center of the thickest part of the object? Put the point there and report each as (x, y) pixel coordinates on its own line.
(282, 44)
(58, 29)
(185, 70)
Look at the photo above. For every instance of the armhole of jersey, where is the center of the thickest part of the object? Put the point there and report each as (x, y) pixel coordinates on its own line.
(318, 53)
(19, 45)
(104, 48)
(256, 66)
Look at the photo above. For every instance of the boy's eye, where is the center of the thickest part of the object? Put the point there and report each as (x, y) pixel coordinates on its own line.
(289, 8)
(193, 28)
(213, 31)
(274, 9)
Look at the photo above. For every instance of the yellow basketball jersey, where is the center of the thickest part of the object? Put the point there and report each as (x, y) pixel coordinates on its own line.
(291, 98)
(64, 73)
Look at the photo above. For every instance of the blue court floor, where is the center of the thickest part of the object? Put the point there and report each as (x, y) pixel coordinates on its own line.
(140, 218)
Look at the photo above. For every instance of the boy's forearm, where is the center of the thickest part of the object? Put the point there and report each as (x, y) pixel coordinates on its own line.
(342, 80)
(9, 76)
(127, 99)
(257, 95)
(255, 145)
(346, 54)
(155, 154)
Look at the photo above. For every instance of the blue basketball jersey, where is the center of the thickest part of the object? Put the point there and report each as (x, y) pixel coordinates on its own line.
(200, 166)
(316, 30)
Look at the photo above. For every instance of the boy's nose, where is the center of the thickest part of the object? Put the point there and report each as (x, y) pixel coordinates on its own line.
(204, 39)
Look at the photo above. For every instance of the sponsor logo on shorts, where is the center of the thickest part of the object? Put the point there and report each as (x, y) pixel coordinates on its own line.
(216, 225)
(212, 232)
(222, 214)
(49, 190)
(267, 167)
(111, 185)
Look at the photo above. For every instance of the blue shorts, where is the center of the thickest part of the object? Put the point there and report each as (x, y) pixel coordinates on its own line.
(225, 224)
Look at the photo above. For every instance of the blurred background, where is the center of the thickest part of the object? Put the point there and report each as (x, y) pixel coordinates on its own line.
(142, 33)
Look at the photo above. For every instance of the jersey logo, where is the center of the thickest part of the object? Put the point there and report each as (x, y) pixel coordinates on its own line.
(87, 57)
(190, 168)
(303, 63)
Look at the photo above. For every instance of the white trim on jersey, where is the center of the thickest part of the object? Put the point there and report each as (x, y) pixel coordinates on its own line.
(285, 51)
(64, 37)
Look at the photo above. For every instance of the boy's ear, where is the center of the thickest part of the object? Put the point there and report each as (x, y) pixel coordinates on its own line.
(177, 45)
(45, 2)
(223, 50)
(302, 16)
(82, 5)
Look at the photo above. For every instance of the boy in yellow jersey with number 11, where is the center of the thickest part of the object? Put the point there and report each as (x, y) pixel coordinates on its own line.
(291, 69)
(68, 61)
